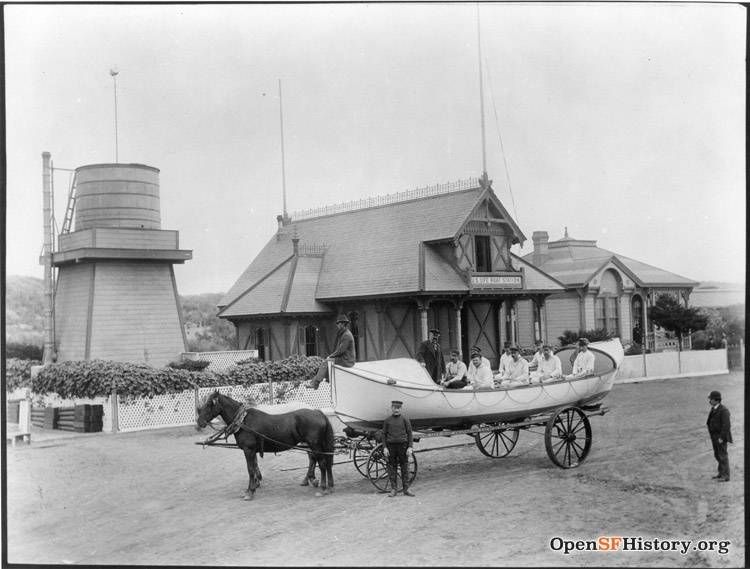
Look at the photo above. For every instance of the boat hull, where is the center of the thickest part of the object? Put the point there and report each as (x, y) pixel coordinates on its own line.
(362, 395)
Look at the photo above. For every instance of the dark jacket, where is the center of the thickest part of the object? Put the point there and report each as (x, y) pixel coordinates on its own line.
(432, 356)
(719, 424)
(344, 354)
(397, 430)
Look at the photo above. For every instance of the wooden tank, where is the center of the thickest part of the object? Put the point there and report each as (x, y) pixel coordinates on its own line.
(117, 195)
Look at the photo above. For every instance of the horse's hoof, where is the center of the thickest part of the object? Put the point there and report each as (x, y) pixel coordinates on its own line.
(315, 482)
(304, 483)
(248, 497)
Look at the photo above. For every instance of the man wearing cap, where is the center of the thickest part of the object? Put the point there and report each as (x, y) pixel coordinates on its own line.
(430, 356)
(505, 359)
(398, 438)
(538, 355)
(455, 372)
(549, 367)
(343, 355)
(719, 430)
(479, 373)
(517, 370)
(584, 362)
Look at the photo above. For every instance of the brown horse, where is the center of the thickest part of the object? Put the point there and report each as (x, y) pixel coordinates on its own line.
(257, 432)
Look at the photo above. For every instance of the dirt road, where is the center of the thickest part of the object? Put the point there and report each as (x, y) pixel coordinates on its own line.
(155, 498)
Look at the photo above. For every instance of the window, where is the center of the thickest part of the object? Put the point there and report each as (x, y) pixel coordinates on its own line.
(483, 253)
(260, 343)
(311, 341)
(637, 316)
(607, 315)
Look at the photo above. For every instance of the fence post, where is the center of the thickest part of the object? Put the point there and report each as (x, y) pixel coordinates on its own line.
(270, 386)
(115, 418)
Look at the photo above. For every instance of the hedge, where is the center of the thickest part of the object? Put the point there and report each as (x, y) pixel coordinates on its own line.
(18, 372)
(99, 378)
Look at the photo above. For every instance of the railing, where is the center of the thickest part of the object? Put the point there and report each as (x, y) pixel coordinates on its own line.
(387, 199)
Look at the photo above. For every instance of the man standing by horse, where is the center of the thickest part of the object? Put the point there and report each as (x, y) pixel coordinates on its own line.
(344, 354)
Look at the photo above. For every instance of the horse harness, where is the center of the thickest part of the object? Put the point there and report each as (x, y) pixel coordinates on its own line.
(237, 424)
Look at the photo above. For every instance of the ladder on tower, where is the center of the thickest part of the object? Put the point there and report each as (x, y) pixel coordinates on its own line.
(68, 220)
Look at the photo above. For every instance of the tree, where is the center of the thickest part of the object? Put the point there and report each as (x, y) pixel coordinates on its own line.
(670, 315)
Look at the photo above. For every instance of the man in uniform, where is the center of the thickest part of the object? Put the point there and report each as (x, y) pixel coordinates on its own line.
(430, 355)
(517, 370)
(399, 440)
(584, 362)
(343, 355)
(455, 372)
(549, 367)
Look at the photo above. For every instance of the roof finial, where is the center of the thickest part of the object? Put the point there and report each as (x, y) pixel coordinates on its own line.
(566, 232)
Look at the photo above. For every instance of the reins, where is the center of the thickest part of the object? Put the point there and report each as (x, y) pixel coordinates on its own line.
(238, 422)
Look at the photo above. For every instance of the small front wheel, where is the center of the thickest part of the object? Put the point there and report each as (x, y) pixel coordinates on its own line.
(378, 471)
(498, 443)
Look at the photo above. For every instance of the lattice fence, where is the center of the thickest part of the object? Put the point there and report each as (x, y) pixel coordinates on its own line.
(178, 409)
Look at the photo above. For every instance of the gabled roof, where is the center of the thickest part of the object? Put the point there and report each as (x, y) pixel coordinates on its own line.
(376, 250)
(574, 262)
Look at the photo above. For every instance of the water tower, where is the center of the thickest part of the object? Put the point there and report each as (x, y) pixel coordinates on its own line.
(116, 294)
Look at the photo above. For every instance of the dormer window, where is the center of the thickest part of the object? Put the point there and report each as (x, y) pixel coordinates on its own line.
(483, 254)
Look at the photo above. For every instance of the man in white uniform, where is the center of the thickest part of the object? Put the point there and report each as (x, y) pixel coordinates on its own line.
(479, 374)
(455, 372)
(538, 355)
(584, 362)
(505, 359)
(549, 367)
(517, 371)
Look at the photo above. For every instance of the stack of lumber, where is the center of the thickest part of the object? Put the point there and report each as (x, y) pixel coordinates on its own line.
(44, 417)
(81, 418)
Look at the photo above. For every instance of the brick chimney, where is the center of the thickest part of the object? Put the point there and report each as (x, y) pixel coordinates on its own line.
(540, 239)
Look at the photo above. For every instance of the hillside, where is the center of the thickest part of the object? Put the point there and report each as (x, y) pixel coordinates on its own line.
(24, 309)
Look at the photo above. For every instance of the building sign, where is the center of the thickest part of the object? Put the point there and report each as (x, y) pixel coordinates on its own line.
(497, 281)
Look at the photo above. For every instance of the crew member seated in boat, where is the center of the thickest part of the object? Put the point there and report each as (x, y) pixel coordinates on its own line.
(479, 374)
(455, 372)
(538, 355)
(343, 355)
(505, 359)
(485, 361)
(430, 355)
(584, 362)
(549, 367)
(517, 371)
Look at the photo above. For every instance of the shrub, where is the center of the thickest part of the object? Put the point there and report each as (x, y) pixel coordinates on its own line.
(18, 372)
(24, 351)
(595, 335)
(634, 350)
(99, 378)
(190, 365)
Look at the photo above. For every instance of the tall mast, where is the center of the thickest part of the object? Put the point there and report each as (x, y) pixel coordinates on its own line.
(481, 100)
(283, 170)
(113, 73)
(46, 259)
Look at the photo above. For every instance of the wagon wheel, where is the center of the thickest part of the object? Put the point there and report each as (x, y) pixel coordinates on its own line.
(498, 443)
(377, 470)
(568, 437)
(361, 453)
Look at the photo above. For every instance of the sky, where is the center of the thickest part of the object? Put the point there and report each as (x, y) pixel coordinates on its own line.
(624, 123)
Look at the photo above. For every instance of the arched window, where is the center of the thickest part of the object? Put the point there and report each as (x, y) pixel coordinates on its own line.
(311, 340)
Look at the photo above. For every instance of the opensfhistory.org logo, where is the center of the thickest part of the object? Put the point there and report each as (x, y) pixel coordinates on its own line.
(613, 543)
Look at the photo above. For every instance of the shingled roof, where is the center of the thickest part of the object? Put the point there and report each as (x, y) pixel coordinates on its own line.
(574, 262)
(367, 252)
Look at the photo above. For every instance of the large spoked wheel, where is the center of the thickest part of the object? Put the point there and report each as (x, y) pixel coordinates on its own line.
(568, 437)
(497, 444)
(361, 453)
(378, 470)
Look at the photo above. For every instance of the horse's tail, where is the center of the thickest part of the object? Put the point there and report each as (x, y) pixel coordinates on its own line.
(329, 441)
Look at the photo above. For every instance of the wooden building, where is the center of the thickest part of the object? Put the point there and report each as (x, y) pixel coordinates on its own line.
(398, 265)
(603, 290)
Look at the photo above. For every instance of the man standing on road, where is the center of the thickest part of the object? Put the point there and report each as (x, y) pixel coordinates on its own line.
(719, 430)
(430, 355)
(343, 355)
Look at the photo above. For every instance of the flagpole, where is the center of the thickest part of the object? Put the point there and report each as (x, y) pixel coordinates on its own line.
(481, 99)
(114, 73)
(283, 169)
